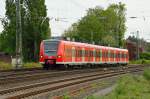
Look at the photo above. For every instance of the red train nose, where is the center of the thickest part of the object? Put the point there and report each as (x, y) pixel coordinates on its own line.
(50, 62)
(52, 57)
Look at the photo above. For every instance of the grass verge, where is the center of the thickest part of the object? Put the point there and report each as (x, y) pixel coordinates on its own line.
(130, 87)
(7, 66)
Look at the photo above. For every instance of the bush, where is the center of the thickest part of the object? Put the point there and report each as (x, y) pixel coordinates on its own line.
(145, 56)
(142, 61)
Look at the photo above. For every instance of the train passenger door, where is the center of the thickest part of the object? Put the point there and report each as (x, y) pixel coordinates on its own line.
(108, 55)
(101, 55)
(73, 54)
(120, 56)
(94, 55)
(83, 55)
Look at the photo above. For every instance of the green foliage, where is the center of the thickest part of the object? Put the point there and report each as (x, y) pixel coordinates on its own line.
(145, 56)
(142, 61)
(66, 97)
(35, 25)
(103, 26)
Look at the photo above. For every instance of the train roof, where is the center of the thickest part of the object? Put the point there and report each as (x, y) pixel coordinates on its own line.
(86, 44)
(52, 40)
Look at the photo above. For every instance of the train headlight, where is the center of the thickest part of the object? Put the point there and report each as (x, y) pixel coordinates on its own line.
(41, 56)
(59, 56)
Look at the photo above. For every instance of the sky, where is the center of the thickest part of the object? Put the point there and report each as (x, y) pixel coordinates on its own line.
(70, 11)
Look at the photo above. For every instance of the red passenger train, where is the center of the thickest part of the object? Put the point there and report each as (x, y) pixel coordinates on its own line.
(67, 53)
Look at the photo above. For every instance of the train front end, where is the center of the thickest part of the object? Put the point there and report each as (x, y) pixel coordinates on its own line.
(48, 53)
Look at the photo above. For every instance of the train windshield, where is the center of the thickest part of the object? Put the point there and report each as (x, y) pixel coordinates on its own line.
(51, 48)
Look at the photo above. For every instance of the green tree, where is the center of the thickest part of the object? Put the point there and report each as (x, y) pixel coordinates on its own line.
(120, 22)
(100, 25)
(35, 25)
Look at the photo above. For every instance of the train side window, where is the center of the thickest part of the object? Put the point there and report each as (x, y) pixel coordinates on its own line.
(77, 52)
(90, 54)
(80, 53)
(109, 54)
(73, 52)
(106, 54)
(117, 55)
(114, 54)
(69, 52)
(120, 55)
(125, 55)
(86, 53)
(101, 53)
(83, 53)
(94, 53)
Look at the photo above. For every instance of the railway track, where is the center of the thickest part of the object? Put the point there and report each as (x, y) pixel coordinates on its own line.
(5, 73)
(43, 74)
(35, 74)
(37, 88)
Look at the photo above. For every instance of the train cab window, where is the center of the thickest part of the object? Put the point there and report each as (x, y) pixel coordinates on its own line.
(50, 47)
